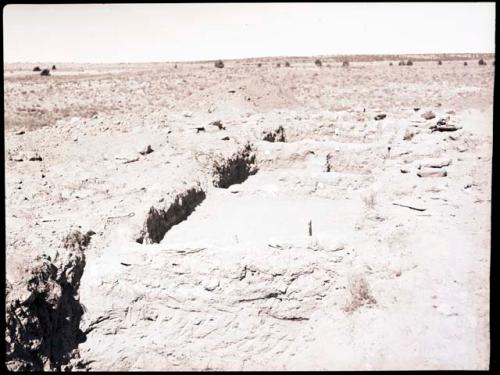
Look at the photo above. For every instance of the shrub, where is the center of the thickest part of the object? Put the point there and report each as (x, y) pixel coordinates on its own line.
(318, 62)
(37, 69)
(390, 64)
(465, 63)
(45, 72)
(287, 64)
(278, 65)
(440, 62)
(401, 63)
(259, 65)
(219, 64)
(53, 67)
(482, 62)
(345, 63)
(409, 63)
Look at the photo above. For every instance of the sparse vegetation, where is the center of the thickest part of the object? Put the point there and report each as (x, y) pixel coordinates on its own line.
(360, 295)
(37, 69)
(482, 62)
(318, 63)
(287, 64)
(53, 67)
(345, 64)
(259, 65)
(440, 62)
(278, 65)
(401, 63)
(465, 63)
(45, 72)
(391, 64)
(219, 64)
(409, 63)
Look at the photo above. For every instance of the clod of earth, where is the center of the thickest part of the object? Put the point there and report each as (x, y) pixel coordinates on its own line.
(432, 173)
(35, 157)
(146, 150)
(218, 123)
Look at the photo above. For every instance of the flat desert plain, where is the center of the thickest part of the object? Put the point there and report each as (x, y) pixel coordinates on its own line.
(252, 217)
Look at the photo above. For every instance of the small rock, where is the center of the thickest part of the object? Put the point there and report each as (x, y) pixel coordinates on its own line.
(21, 132)
(146, 150)
(380, 117)
(404, 170)
(416, 109)
(226, 138)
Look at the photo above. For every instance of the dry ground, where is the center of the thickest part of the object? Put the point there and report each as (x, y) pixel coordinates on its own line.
(281, 240)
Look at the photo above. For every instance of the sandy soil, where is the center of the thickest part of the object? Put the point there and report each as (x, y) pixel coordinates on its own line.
(293, 232)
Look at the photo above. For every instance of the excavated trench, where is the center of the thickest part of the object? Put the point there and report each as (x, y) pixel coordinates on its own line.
(235, 169)
(225, 172)
(42, 327)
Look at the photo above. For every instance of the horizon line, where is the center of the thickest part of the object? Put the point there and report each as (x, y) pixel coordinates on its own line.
(257, 58)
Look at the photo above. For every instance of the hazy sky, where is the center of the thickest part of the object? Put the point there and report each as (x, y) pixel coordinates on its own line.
(177, 32)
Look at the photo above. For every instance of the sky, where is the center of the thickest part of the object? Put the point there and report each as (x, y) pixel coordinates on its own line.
(109, 33)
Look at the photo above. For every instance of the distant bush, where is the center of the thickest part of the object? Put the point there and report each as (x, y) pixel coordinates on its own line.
(318, 62)
(401, 63)
(259, 65)
(345, 63)
(219, 64)
(45, 72)
(440, 62)
(175, 66)
(53, 67)
(278, 65)
(409, 63)
(37, 69)
(390, 64)
(287, 64)
(465, 63)
(482, 62)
